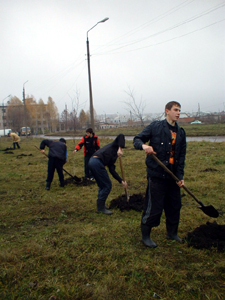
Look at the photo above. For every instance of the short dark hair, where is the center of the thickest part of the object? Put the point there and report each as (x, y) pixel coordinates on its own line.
(170, 104)
(62, 140)
(90, 130)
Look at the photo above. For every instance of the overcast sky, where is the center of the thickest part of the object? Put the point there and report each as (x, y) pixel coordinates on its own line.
(162, 50)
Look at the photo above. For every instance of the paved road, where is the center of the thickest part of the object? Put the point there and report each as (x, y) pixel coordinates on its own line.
(130, 138)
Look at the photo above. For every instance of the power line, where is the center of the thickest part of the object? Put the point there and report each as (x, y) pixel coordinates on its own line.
(168, 29)
(166, 41)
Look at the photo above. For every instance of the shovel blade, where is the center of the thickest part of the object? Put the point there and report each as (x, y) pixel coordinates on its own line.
(210, 211)
(77, 179)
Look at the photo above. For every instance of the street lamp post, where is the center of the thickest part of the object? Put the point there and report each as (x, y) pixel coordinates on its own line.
(25, 112)
(3, 112)
(89, 76)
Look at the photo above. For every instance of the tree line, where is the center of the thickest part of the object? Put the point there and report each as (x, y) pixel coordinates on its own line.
(43, 118)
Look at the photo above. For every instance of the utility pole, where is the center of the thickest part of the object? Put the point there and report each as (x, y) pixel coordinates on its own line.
(25, 111)
(66, 117)
(3, 112)
(89, 77)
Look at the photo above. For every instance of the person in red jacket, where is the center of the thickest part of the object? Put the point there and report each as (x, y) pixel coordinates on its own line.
(91, 144)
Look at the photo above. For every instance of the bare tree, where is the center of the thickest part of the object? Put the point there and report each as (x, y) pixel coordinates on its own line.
(76, 106)
(134, 108)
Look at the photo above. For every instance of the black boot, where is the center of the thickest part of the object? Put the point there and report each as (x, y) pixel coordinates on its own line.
(61, 184)
(47, 187)
(146, 240)
(172, 233)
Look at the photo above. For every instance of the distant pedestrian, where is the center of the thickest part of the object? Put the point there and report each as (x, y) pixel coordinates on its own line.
(57, 156)
(16, 140)
(91, 144)
(106, 156)
(168, 142)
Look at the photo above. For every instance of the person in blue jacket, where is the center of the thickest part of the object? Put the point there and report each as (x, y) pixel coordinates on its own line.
(57, 156)
(106, 156)
(168, 142)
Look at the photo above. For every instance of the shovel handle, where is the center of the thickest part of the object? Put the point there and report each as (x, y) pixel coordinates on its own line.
(63, 169)
(123, 176)
(176, 178)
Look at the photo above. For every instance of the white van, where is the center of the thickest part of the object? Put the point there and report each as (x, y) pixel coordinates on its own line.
(5, 132)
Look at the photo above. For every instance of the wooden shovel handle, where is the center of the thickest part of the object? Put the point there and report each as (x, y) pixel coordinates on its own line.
(123, 176)
(63, 168)
(176, 178)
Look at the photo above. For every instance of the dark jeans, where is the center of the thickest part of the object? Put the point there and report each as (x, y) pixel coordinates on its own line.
(55, 163)
(16, 144)
(102, 178)
(87, 171)
(161, 194)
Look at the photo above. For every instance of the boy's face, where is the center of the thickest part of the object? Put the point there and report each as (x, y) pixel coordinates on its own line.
(173, 114)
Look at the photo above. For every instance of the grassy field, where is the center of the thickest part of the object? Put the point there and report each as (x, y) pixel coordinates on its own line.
(217, 129)
(53, 245)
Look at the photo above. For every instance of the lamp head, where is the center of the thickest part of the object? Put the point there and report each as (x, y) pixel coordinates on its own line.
(102, 21)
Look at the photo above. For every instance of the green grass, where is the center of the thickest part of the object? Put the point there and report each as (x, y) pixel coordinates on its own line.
(54, 246)
(216, 129)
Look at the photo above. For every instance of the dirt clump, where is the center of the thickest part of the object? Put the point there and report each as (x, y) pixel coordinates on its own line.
(78, 181)
(210, 235)
(136, 202)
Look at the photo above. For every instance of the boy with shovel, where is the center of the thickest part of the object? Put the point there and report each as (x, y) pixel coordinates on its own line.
(16, 140)
(91, 144)
(168, 142)
(106, 156)
(57, 156)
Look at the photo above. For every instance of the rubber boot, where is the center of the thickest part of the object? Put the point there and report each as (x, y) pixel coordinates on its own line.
(47, 187)
(104, 211)
(146, 240)
(172, 233)
(61, 184)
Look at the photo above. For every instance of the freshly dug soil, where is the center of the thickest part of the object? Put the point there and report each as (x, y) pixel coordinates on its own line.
(208, 236)
(82, 182)
(135, 202)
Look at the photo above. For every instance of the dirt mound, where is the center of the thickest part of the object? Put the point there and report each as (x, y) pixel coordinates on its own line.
(6, 149)
(135, 202)
(78, 181)
(208, 236)
(209, 170)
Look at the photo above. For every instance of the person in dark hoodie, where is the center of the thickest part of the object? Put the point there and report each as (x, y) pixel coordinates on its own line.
(106, 156)
(57, 156)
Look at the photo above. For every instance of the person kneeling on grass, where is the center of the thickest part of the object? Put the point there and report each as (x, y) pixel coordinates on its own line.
(106, 156)
(57, 156)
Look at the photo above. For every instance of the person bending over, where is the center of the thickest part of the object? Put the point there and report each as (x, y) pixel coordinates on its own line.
(57, 156)
(106, 156)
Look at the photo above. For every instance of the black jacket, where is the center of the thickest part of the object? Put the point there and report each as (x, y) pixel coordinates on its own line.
(91, 144)
(56, 149)
(159, 137)
(108, 155)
